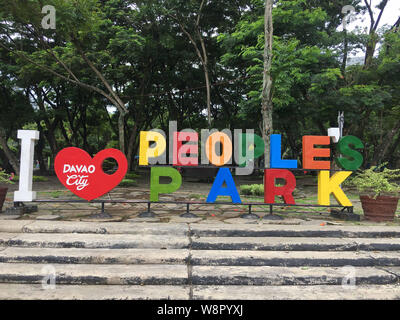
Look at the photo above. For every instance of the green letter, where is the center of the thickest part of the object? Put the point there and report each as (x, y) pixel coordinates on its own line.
(258, 145)
(156, 188)
(353, 159)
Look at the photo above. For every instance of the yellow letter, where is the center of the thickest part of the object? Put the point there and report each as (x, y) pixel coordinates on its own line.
(327, 185)
(145, 152)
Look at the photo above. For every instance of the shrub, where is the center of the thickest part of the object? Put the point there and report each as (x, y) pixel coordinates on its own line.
(376, 181)
(40, 179)
(5, 177)
(128, 183)
(109, 165)
(35, 179)
(252, 190)
(131, 175)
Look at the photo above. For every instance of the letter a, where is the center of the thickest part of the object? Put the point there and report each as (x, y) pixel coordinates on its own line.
(49, 21)
(224, 175)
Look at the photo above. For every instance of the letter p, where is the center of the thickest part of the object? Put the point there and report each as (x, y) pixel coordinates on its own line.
(145, 152)
(156, 187)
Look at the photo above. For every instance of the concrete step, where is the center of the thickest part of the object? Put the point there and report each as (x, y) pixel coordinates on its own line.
(262, 230)
(93, 256)
(28, 226)
(11, 291)
(198, 257)
(290, 276)
(95, 274)
(293, 258)
(74, 240)
(216, 229)
(295, 244)
(119, 241)
(317, 292)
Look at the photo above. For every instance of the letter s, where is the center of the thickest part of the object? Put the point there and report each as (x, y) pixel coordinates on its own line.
(353, 159)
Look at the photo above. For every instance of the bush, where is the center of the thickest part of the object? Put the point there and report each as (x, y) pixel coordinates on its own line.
(128, 183)
(131, 175)
(40, 179)
(35, 179)
(376, 181)
(5, 177)
(252, 190)
(109, 164)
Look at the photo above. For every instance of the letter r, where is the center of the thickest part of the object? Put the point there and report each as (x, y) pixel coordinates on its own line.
(271, 190)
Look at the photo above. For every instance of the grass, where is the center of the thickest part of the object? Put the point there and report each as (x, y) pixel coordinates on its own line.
(128, 183)
(132, 175)
(35, 179)
(197, 196)
(52, 194)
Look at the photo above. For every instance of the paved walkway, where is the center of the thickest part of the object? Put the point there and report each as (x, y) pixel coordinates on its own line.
(170, 212)
(130, 260)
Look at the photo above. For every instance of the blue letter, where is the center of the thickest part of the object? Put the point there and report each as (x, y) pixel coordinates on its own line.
(224, 175)
(275, 159)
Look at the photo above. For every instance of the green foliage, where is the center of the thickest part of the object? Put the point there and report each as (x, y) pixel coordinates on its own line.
(34, 178)
(5, 177)
(140, 50)
(109, 164)
(132, 175)
(252, 190)
(377, 181)
(56, 194)
(40, 179)
(128, 183)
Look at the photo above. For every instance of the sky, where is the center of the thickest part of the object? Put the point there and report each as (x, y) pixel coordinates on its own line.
(390, 15)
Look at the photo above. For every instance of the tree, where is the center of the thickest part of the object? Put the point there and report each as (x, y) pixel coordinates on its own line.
(373, 37)
(266, 105)
(79, 28)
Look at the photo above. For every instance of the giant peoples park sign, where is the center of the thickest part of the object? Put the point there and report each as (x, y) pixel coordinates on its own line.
(84, 176)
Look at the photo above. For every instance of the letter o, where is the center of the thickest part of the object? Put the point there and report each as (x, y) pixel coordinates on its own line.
(226, 148)
(91, 169)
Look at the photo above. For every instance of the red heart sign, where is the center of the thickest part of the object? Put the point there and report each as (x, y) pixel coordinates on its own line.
(84, 176)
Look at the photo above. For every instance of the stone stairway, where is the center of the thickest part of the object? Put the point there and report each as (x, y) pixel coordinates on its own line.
(93, 260)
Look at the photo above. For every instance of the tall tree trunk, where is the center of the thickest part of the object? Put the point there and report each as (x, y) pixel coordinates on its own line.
(131, 144)
(39, 151)
(201, 54)
(345, 52)
(9, 154)
(383, 148)
(391, 152)
(266, 103)
(121, 131)
(50, 125)
(370, 50)
(206, 74)
(373, 37)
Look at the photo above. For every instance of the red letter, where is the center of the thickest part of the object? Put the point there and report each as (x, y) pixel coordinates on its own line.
(270, 190)
(309, 152)
(180, 149)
